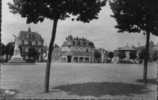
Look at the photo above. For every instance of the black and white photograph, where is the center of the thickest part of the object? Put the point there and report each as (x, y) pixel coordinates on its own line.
(78, 49)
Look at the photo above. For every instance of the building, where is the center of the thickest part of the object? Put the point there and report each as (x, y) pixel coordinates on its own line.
(78, 50)
(30, 39)
(104, 55)
(75, 50)
(153, 52)
(125, 53)
(56, 55)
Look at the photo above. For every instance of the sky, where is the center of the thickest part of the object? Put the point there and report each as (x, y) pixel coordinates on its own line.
(101, 31)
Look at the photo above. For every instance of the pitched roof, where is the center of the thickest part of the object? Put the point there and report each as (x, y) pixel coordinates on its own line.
(34, 36)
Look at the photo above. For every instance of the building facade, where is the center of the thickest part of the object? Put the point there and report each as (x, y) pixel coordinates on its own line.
(75, 50)
(125, 53)
(29, 39)
(104, 55)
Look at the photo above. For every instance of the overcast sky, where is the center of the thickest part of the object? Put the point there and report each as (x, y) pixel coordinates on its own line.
(100, 31)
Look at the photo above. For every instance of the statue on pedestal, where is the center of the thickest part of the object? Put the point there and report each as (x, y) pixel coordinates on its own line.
(16, 58)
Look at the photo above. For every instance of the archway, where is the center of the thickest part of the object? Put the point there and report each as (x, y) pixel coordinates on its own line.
(69, 59)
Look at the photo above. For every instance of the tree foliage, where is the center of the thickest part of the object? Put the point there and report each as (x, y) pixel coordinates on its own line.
(122, 55)
(111, 55)
(136, 15)
(155, 55)
(33, 54)
(133, 55)
(97, 54)
(38, 10)
(2, 49)
(142, 54)
(10, 48)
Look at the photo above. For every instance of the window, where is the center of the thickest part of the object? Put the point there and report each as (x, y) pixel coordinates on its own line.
(33, 43)
(25, 42)
(39, 50)
(87, 50)
(39, 43)
(22, 42)
(78, 44)
(26, 49)
(27, 35)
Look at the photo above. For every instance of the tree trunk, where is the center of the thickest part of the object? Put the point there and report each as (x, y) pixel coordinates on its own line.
(0, 24)
(51, 47)
(146, 57)
(0, 18)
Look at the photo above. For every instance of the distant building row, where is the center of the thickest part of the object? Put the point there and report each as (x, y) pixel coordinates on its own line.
(80, 50)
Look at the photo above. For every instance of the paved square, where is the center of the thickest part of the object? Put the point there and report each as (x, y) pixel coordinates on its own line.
(97, 81)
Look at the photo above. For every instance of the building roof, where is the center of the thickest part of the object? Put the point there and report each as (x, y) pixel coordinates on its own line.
(76, 41)
(29, 35)
(127, 48)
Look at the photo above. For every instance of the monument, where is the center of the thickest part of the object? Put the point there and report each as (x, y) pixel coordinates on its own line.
(16, 58)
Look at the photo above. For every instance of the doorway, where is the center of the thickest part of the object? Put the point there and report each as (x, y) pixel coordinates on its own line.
(69, 59)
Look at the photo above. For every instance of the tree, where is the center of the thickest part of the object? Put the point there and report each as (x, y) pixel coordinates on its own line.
(33, 54)
(37, 10)
(155, 55)
(56, 46)
(141, 54)
(137, 16)
(2, 49)
(133, 55)
(9, 50)
(110, 55)
(97, 55)
(122, 55)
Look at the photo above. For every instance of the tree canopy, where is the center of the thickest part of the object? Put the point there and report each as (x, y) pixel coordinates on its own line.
(97, 54)
(38, 10)
(10, 48)
(33, 54)
(2, 49)
(111, 54)
(136, 15)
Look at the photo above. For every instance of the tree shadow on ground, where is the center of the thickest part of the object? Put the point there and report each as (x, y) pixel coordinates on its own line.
(103, 88)
(149, 81)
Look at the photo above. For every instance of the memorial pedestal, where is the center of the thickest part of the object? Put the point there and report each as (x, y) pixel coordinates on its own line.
(16, 58)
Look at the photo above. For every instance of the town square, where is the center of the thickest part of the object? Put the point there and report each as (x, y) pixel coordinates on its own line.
(80, 81)
(78, 49)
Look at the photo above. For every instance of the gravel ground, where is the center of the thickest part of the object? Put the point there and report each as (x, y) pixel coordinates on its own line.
(81, 81)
